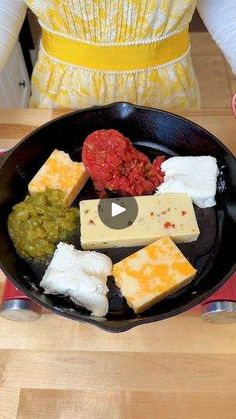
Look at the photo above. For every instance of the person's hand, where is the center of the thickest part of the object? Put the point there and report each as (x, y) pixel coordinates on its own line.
(234, 104)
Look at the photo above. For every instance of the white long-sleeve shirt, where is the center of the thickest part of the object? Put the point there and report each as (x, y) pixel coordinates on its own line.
(219, 17)
(12, 14)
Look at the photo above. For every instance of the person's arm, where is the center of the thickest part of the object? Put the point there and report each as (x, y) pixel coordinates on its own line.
(219, 17)
(12, 14)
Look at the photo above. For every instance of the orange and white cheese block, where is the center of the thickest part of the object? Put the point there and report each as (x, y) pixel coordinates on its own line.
(152, 273)
(60, 172)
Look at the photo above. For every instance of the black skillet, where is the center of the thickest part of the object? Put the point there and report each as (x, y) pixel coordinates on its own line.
(155, 132)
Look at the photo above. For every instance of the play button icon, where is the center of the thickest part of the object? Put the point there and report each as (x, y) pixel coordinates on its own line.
(116, 209)
(118, 213)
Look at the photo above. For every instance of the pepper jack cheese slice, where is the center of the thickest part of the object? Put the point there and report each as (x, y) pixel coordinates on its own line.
(152, 273)
(60, 172)
(158, 215)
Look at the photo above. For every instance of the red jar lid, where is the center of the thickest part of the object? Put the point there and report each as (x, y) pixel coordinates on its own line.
(225, 293)
(16, 306)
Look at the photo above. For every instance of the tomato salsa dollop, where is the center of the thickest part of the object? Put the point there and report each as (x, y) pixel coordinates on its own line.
(115, 165)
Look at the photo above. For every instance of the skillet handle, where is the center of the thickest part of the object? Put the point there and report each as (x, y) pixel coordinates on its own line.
(15, 305)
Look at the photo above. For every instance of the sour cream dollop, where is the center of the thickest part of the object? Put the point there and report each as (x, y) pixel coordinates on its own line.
(80, 275)
(196, 176)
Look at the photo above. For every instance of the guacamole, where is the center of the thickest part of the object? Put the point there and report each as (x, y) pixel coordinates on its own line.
(41, 221)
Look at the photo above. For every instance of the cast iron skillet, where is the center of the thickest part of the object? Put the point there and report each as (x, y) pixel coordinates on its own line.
(155, 132)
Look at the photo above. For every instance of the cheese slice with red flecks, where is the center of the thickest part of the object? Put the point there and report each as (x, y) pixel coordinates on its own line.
(158, 216)
(60, 172)
(152, 273)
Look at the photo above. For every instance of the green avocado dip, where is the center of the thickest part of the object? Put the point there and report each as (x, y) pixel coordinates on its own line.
(40, 222)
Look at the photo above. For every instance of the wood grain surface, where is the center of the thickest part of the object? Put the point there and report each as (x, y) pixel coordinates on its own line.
(56, 368)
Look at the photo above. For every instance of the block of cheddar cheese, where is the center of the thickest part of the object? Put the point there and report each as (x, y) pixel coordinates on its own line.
(158, 215)
(60, 172)
(152, 273)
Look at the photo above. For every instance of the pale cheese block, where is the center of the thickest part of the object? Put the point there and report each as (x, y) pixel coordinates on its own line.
(152, 273)
(60, 172)
(158, 215)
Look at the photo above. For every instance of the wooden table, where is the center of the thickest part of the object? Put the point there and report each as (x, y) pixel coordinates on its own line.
(56, 368)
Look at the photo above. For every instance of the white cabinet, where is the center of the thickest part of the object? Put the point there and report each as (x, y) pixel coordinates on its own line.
(14, 81)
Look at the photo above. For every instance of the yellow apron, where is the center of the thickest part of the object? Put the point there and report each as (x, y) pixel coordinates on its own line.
(98, 51)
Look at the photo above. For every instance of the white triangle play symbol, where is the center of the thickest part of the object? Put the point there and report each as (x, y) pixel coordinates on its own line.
(116, 209)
